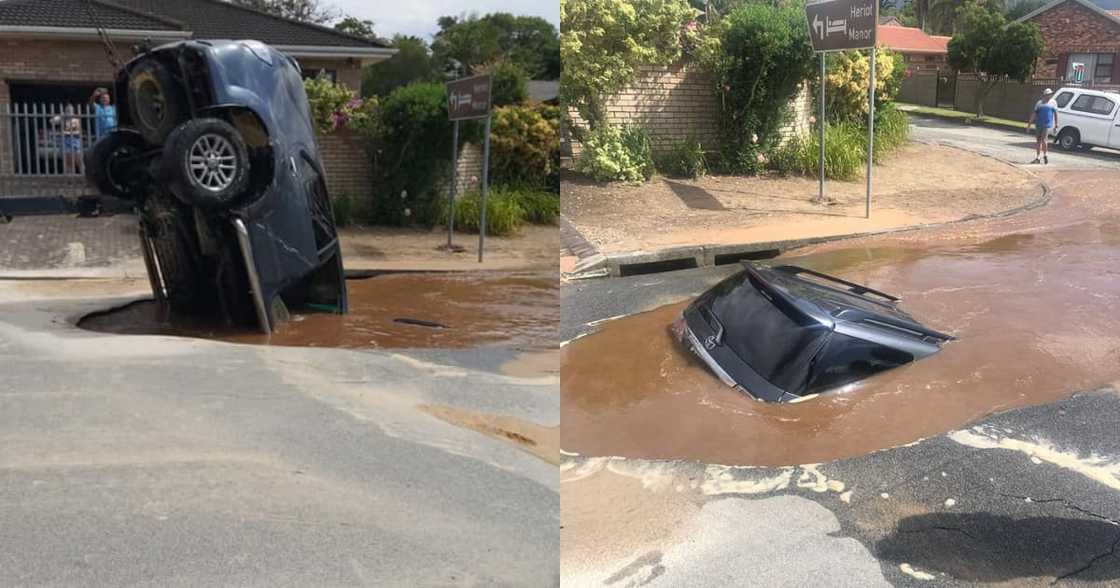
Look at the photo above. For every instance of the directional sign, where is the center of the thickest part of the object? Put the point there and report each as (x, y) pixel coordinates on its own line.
(468, 98)
(835, 25)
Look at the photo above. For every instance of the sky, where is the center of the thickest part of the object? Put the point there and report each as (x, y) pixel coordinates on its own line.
(418, 17)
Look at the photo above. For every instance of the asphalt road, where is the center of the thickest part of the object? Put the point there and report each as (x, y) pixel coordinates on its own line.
(1014, 147)
(154, 461)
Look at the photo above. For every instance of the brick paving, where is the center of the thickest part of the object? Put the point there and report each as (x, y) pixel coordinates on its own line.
(68, 242)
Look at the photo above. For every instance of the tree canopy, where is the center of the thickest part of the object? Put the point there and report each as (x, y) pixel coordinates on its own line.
(466, 43)
(310, 11)
(353, 25)
(411, 63)
(995, 50)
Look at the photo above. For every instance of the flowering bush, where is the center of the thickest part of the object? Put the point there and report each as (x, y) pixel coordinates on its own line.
(848, 81)
(334, 106)
(525, 145)
(612, 154)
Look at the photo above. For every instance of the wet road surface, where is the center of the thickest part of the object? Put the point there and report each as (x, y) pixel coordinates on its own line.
(1032, 300)
(1015, 147)
(401, 310)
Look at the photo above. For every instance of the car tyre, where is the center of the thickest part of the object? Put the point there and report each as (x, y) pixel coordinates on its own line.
(156, 101)
(206, 163)
(111, 165)
(1069, 139)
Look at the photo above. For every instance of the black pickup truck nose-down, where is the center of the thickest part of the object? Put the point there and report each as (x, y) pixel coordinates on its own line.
(216, 150)
(783, 333)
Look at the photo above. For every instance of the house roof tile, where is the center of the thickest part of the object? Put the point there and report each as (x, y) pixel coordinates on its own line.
(215, 19)
(80, 14)
(911, 39)
(205, 19)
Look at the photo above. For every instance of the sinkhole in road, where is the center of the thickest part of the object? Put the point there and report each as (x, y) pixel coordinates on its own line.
(1035, 313)
(394, 310)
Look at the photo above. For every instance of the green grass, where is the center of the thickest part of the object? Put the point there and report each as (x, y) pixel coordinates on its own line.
(507, 208)
(961, 116)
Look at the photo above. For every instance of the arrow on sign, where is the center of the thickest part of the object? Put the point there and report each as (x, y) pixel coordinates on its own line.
(818, 25)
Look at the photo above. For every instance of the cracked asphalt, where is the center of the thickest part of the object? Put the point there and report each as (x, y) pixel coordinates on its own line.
(1026, 497)
(161, 461)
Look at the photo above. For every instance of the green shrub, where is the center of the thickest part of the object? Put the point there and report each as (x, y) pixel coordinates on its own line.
(684, 159)
(503, 213)
(510, 84)
(525, 145)
(844, 156)
(849, 78)
(892, 128)
(617, 154)
(540, 207)
(765, 56)
(845, 147)
(412, 154)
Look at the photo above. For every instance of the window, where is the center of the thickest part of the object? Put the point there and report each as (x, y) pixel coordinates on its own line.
(314, 72)
(1093, 104)
(1063, 98)
(1102, 73)
(1090, 68)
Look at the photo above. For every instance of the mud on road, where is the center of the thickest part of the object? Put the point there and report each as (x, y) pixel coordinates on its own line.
(397, 310)
(1032, 300)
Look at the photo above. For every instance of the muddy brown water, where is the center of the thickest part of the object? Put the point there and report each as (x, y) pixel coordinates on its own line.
(519, 310)
(1035, 311)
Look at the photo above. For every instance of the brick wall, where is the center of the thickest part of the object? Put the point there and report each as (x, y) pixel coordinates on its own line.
(346, 164)
(1073, 28)
(676, 102)
(469, 169)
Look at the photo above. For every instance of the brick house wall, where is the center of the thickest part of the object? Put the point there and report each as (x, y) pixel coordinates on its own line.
(28, 60)
(347, 71)
(1073, 28)
(677, 102)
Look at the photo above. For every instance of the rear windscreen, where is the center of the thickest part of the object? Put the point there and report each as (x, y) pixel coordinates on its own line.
(775, 345)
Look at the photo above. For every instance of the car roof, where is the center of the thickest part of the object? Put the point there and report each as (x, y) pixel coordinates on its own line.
(1092, 91)
(831, 301)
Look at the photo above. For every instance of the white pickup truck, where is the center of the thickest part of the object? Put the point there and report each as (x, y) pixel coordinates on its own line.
(1086, 119)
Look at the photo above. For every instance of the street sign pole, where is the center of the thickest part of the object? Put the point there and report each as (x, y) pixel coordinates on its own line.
(485, 189)
(842, 25)
(870, 135)
(820, 122)
(469, 99)
(454, 181)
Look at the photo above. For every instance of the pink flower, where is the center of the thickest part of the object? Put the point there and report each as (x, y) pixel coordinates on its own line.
(761, 158)
(812, 120)
(354, 104)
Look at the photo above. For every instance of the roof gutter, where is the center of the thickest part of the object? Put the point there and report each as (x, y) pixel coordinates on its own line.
(367, 55)
(53, 33)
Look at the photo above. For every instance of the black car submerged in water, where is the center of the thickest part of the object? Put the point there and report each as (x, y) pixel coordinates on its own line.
(216, 148)
(784, 333)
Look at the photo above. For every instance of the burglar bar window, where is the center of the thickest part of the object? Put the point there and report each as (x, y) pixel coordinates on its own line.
(1102, 74)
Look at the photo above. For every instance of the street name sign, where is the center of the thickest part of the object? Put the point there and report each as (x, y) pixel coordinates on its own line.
(468, 98)
(836, 25)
